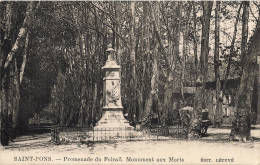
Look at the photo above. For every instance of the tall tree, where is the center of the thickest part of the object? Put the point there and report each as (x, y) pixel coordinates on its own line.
(153, 93)
(258, 87)
(13, 41)
(133, 80)
(218, 111)
(186, 31)
(194, 130)
(241, 126)
(144, 61)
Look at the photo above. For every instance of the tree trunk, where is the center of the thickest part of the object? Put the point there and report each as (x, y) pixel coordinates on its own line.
(17, 82)
(5, 75)
(170, 84)
(118, 13)
(258, 95)
(5, 47)
(258, 86)
(83, 106)
(194, 130)
(5, 123)
(144, 61)
(25, 52)
(83, 75)
(1, 59)
(163, 112)
(132, 107)
(218, 111)
(245, 17)
(16, 90)
(153, 94)
(241, 126)
(61, 98)
(186, 31)
(195, 37)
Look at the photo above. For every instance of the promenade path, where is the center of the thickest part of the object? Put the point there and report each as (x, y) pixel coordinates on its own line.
(211, 148)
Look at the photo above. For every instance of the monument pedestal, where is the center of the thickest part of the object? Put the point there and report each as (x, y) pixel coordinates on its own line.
(112, 118)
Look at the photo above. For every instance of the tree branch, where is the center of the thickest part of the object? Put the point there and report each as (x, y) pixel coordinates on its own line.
(231, 52)
(156, 29)
(112, 29)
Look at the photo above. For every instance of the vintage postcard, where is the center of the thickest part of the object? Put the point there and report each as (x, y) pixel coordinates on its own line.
(130, 82)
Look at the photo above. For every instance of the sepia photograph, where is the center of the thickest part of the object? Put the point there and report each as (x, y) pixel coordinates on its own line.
(130, 82)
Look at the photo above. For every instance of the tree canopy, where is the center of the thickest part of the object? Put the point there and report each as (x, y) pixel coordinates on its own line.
(52, 54)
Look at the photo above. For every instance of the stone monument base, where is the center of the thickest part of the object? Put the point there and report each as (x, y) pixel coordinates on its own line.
(112, 126)
(113, 119)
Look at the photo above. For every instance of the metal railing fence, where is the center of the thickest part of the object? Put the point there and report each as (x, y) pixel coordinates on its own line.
(61, 135)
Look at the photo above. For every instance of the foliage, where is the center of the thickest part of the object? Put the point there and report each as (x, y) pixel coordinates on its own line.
(157, 47)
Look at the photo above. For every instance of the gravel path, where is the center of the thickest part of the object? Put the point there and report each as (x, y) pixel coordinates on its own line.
(214, 146)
